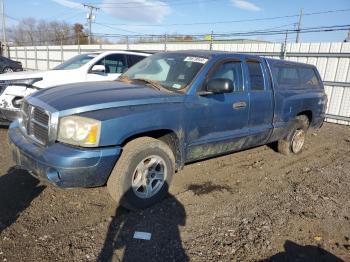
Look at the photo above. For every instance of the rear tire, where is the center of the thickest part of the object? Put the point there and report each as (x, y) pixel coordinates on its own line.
(7, 70)
(293, 143)
(142, 174)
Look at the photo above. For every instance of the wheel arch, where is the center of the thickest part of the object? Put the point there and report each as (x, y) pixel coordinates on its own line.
(308, 114)
(170, 137)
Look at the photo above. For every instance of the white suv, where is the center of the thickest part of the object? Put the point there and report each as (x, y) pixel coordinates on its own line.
(95, 66)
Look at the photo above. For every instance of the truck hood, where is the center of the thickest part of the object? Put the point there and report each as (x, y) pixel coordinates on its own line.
(90, 96)
(22, 75)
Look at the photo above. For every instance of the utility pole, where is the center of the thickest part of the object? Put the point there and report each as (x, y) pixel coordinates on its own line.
(285, 46)
(3, 23)
(348, 38)
(299, 26)
(211, 40)
(90, 17)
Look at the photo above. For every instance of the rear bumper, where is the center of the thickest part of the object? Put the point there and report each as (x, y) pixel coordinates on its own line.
(60, 164)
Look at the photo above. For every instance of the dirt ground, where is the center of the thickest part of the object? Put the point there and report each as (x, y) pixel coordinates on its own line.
(255, 205)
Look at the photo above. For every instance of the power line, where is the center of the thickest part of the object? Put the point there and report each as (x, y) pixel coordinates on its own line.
(136, 2)
(129, 5)
(44, 30)
(116, 28)
(222, 35)
(237, 21)
(69, 15)
(292, 31)
(65, 17)
(249, 33)
(49, 40)
(258, 30)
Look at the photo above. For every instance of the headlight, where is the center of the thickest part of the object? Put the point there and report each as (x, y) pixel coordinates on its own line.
(80, 131)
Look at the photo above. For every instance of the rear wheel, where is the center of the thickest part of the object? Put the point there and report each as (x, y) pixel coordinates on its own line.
(7, 70)
(293, 143)
(142, 174)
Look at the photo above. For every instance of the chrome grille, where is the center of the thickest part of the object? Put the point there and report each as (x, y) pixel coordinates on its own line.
(35, 122)
(39, 132)
(41, 116)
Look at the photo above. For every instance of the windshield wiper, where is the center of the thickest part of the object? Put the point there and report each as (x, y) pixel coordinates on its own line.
(123, 78)
(153, 83)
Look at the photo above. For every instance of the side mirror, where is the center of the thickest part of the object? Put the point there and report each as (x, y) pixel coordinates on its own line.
(219, 85)
(97, 69)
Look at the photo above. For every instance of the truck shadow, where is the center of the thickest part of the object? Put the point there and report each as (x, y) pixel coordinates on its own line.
(162, 221)
(17, 190)
(207, 188)
(294, 252)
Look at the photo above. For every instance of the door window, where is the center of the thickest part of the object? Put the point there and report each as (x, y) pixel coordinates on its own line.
(295, 76)
(232, 71)
(114, 64)
(308, 78)
(287, 75)
(133, 59)
(256, 76)
(76, 61)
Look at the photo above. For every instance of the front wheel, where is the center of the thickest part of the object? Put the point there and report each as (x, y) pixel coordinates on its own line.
(7, 70)
(142, 174)
(293, 143)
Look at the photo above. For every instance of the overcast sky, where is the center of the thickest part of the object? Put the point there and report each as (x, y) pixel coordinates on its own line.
(169, 16)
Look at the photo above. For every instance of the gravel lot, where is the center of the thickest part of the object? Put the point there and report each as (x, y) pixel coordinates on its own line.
(255, 205)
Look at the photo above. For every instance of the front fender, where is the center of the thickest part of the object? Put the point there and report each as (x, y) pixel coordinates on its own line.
(118, 124)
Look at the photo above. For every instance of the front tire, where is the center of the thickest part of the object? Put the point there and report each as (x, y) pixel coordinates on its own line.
(142, 174)
(293, 143)
(7, 70)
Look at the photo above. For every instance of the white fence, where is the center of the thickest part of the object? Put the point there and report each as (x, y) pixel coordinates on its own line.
(331, 59)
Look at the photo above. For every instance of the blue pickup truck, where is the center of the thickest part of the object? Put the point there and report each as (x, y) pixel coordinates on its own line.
(168, 110)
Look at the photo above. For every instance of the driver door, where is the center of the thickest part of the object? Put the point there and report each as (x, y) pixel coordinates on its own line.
(114, 64)
(219, 122)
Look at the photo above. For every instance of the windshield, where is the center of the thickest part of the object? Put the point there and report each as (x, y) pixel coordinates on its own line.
(173, 71)
(76, 62)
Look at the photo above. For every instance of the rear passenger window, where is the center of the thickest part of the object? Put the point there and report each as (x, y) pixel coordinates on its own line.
(231, 71)
(115, 63)
(296, 77)
(133, 59)
(287, 75)
(256, 76)
(308, 78)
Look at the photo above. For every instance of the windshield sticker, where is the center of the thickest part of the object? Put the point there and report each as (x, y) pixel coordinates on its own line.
(196, 59)
(177, 86)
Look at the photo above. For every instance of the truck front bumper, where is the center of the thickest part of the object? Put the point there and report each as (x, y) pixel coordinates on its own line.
(63, 165)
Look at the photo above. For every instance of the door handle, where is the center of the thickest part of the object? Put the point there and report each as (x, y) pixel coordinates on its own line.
(239, 105)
